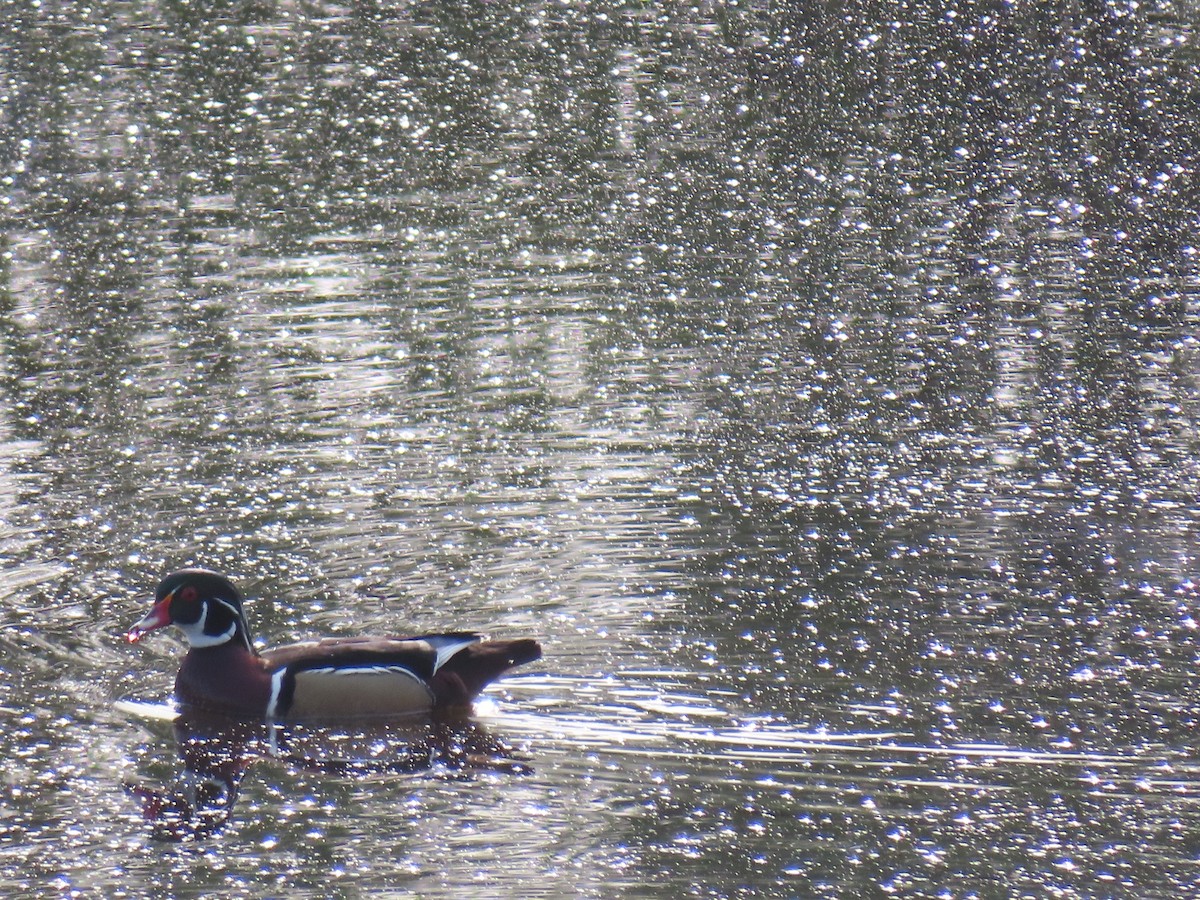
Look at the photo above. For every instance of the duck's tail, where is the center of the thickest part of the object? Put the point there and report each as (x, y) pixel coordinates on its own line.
(475, 666)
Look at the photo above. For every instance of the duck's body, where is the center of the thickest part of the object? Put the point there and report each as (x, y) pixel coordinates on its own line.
(333, 678)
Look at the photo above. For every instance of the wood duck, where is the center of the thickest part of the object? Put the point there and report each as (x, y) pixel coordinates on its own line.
(332, 678)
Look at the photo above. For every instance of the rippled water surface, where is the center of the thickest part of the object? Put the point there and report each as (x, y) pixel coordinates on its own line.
(819, 385)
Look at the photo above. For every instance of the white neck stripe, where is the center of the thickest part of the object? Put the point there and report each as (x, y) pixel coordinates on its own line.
(194, 631)
(225, 603)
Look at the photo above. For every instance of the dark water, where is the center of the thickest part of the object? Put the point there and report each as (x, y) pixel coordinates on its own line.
(818, 384)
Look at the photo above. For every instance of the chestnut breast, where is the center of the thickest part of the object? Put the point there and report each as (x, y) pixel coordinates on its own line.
(225, 678)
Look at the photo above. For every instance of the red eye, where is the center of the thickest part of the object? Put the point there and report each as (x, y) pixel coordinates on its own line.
(187, 594)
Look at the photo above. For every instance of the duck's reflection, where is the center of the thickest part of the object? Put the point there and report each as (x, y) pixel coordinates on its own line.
(217, 752)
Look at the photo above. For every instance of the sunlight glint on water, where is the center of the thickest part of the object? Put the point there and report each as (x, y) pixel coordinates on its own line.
(820, 389)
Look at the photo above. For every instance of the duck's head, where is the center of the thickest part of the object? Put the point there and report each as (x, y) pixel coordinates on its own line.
(204, 605)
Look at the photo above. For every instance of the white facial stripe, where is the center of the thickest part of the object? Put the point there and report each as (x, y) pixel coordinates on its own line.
(197, 638)
(233, 610)
(194, 631)
(238, 619)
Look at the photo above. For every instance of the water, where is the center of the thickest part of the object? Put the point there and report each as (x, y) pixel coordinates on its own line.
(820, 389)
